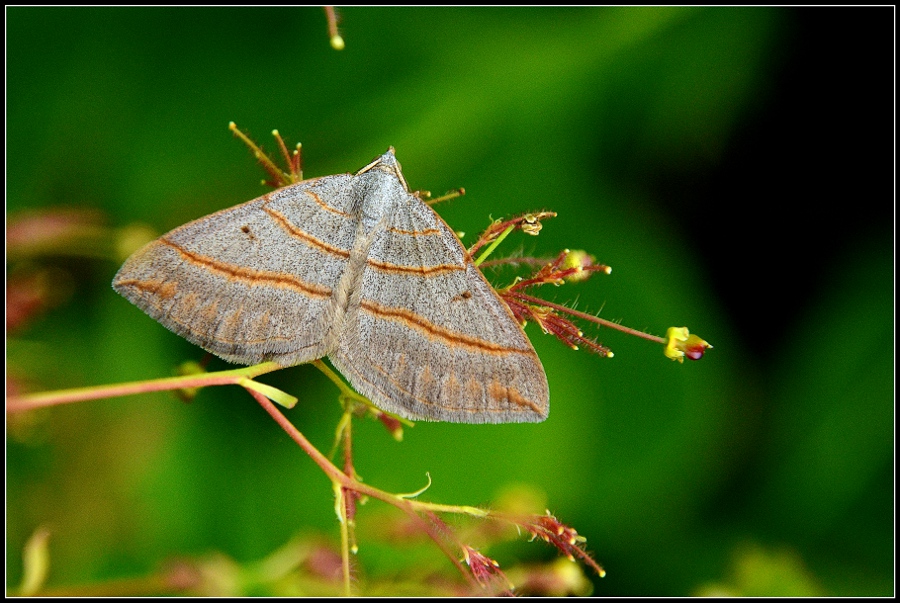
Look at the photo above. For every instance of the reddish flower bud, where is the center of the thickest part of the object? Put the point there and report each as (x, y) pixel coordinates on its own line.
(393, 425)
(486, 571)
(566, 539)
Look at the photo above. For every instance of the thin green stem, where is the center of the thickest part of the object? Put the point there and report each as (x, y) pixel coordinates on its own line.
(346, 390)
(333, 376)
(490, 249)
(461, 509)
(340, 497)
(348, 393)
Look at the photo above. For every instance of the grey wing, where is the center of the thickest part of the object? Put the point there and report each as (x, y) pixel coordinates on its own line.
(251, 283)
(430, 339)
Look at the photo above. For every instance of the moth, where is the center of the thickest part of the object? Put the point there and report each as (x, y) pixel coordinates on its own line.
(357, 268)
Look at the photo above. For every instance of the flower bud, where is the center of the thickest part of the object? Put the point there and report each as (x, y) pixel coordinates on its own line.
(681, 344)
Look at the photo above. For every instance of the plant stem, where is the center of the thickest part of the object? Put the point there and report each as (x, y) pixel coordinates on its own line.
(341, 479)
(340, 498)
(66, 396)
(484, 254)
(595, 319)
(333, 473)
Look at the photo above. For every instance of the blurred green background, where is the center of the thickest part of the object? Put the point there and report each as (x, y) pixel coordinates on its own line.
(734, 167)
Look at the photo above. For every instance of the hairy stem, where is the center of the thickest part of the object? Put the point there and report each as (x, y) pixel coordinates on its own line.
(595, 319)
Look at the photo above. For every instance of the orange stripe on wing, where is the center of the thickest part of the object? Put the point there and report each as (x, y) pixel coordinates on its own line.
(379, 265)
(445, 405)
(304, 236)
(327, 207)
(251, 276)
(419, 270)
(452, 338)
(415, 233)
